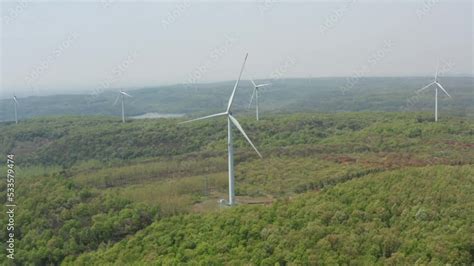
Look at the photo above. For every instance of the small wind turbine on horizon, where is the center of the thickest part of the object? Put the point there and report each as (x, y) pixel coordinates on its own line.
(231, 120)
(255, 93)
(15, 104)
(435, 82)
(121, 96)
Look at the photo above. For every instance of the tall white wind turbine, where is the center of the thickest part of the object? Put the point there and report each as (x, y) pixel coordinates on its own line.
(231, 120)
(15, 104)
(121, 96)
(435, 82)
(255, 93)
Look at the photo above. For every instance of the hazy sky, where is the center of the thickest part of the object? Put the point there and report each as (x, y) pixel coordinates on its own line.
(52, 46)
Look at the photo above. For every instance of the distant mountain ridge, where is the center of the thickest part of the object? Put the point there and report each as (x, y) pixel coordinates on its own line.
(285, 95)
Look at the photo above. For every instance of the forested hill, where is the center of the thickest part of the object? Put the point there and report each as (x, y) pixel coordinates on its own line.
(333, 188)
(64, 141)
(285, 95)
(407, 217)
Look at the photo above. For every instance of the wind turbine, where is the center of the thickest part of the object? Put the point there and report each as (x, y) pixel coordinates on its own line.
(231, 120)
(255, 92)
(15, 104)
(435, 82)
(121, 96)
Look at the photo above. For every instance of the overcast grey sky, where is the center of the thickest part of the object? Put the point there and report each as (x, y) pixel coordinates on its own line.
(52, 46)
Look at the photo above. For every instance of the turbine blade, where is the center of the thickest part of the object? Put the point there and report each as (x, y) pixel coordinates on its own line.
(425, 87)
(263, 85)
(236, 123)
(251, 98)
(236, 84)
(441, 87)
(126, 94)
(255, 85)
(15, 99)
(204, 117)
(437, 72)
(116, 100)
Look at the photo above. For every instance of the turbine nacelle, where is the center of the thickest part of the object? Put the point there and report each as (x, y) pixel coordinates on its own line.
(255, 86)
(125, 94)
(233, 120)
(438, 85)
(435, 82)
(121, 94)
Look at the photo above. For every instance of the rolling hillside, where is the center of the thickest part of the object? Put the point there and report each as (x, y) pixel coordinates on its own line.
(410, 216)
(362, 187)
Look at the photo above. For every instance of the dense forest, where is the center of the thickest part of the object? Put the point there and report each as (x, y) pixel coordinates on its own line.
(340, 188)
(285, 95)
(389, 218)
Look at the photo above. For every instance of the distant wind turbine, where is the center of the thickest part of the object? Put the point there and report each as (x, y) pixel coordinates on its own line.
(435, 82)
(121, 96)
(231, 120)
(15, 104)
(255, 92)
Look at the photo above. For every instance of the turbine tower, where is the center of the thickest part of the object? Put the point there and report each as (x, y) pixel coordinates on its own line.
(121, 96)
(15, 104)
(435, 82)
(231, 120)
(255, 92)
